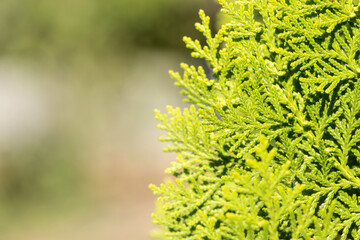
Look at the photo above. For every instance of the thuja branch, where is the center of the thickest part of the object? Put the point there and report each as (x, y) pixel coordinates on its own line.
(268, 148)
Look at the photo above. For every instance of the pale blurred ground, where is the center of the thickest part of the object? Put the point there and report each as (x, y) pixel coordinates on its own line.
(78, 139)
(117, 140)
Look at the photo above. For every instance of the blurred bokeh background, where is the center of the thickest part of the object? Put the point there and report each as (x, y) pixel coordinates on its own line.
(79, 80)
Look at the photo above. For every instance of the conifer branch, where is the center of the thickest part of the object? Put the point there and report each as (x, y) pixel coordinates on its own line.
(288, 70)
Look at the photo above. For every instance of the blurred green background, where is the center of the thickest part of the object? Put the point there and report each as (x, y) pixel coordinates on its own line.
(79, 80)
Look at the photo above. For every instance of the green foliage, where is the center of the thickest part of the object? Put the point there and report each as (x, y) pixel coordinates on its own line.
(287, 70)
(71, 27)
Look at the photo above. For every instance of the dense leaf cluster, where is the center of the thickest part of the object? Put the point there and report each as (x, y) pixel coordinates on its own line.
(285, 74)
